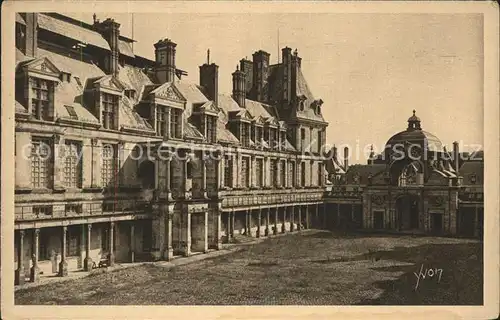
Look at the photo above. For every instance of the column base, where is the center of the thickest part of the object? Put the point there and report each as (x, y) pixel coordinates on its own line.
(218, 246)
(168, 255)
(63, 269)
(19, 277)
(111, 259)
(275, 230)
(132, 256)
(266, 232)
(34, 274)
(87, 264)
(283, 230)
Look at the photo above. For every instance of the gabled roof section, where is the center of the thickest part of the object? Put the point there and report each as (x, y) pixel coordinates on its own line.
(242, 114)
(225, 136)
(303, 90)
(271, 121)
(168, 91)
(125, 48)
(75, 67)
(110, 82)
(190, 91)
(190, 132)
(208, 107)
(359, 173)
(41, 64)
(259, 120)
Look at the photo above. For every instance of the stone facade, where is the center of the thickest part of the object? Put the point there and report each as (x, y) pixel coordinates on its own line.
(120, 159)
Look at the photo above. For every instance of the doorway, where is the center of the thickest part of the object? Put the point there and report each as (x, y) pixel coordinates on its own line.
(408, 212)
(436, 223)
(378, 219)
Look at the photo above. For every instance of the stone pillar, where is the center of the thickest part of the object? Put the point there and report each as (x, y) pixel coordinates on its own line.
(132, 241)
(275, 231)
(34, 271)
(259, 222)
(168, 253)
(87, 263)
(292, 218)
(111, 244)
(248, 224)
(266, 231)
(168, 183)
(58, 166)
(232, 223)
(283, 230)
(299, 219)
(19, 274)
(205, 236)
(229, 232)
(63, 265)
(187, 247)
(218, 230)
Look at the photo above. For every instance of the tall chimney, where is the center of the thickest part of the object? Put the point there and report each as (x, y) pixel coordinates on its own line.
(346, 158)
(165, 60)
(31, 36)
(111, 32)
(239, 93)
(334, 152)
(260, 74)
(247, 67)
(286, 54)
(456, 156)
(209, 78)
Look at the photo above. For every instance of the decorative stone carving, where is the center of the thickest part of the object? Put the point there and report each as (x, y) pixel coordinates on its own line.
(377, 199)
(169, 93)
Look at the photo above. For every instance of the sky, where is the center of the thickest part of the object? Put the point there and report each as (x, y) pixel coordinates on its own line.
(371, 70)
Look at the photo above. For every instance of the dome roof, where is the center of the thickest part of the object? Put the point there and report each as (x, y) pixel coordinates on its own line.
(415, 134)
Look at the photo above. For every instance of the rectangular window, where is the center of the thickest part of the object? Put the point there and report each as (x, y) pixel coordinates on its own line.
(245, 138)
(293, 173)
(228, 171)
(283, 173)
(303, 174)
(272, 143)
(211, 123)
(161, 121)
(71, 112)
(320, 174)
(72, 165)
(245, 173)
(320, 140)
(72, 208)
(41, 211)
(109, 170)
(41, 163)
(311, 170)
(258, 134)
(273, 169)
(40, 98)
(258, 172)
(175, 123)
(109, 110)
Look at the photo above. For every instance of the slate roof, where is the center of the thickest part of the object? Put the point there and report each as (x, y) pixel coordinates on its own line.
(470, 168)
(363, 170)
(70, 30)
(125, 48)
(416, 136)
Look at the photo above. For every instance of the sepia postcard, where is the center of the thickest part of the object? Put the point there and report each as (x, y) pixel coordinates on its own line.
(250, 160)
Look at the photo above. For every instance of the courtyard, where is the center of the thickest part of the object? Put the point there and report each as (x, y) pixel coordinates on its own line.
(312, 268)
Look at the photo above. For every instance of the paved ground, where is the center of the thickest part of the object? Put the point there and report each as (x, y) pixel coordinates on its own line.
(302, 269)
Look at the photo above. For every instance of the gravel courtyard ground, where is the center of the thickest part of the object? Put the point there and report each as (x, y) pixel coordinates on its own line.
(322, 268)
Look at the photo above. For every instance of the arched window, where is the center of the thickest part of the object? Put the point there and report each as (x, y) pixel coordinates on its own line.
(408, 175)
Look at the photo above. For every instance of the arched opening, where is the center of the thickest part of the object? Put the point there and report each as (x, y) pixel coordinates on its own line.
(147, 174)
(408, 209)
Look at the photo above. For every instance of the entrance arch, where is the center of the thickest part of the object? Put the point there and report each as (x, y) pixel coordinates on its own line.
(408, 212)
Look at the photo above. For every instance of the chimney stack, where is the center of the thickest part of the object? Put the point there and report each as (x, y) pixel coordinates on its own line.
(209, 78)
(260, 74)
(247, 67)
(456, 156)
(111, 32)
(286, 55)
(346, 158)
(165, 60)
(239, 93)
(31, 36)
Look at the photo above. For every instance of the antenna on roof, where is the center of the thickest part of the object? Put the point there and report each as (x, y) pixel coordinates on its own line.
(132, 32)
(94, 16)
(208, 56)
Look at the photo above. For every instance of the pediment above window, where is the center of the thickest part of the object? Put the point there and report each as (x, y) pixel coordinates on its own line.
(259, 121)
(207, 108)
(272, 122)
(242, 115)
(168, 92)
(42, 68)
(111, 83)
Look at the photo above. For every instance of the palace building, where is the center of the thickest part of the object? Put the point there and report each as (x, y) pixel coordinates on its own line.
(414, 186)
(218, 166)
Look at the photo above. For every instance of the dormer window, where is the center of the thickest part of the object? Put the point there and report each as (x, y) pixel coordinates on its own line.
(109, 111)
(42, 98)
(210, 124)
(161, 120)
(130, 93)
(245, 134)
(176, 123)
